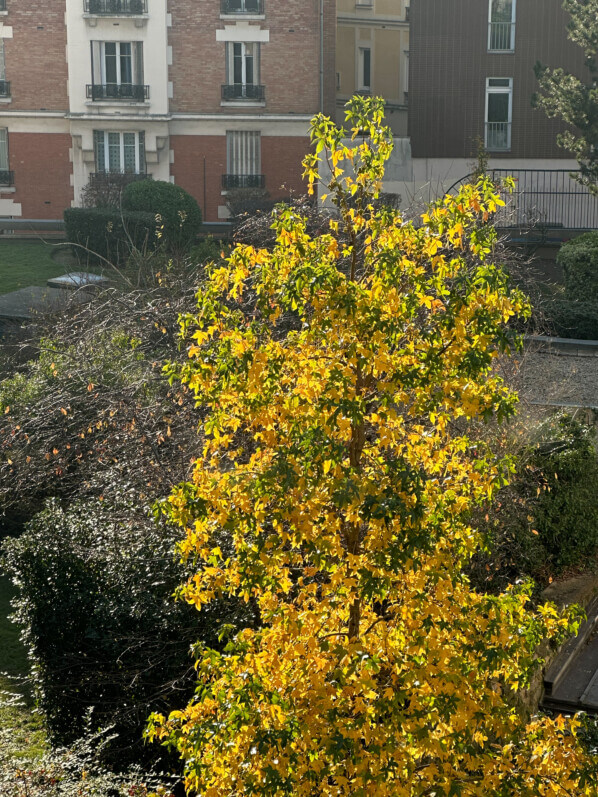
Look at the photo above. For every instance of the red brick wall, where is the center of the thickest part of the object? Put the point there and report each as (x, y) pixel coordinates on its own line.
(191, 155)
(42, 170)
(289, 67)
(281, 165)
(36, 55)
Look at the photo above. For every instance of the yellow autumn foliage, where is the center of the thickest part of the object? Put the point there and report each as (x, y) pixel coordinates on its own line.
(337, 375)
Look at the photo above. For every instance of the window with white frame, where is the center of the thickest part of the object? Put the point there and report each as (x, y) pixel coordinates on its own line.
(243, 159)
(499, 109)
(243, 70)
(117, 67)
(364, 67)
(119, 152)
(501, 25)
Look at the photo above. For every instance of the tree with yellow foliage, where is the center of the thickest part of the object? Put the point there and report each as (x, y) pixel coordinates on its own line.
(337, 376)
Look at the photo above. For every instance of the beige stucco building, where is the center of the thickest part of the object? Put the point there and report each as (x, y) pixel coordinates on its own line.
(372, 55)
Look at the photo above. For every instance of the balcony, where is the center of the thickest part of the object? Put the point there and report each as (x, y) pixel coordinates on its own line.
(7, 177)
(241, 6)
(243, 91)
(115, 7)
(498, 136)
(121, 92)
(116, 178)
(501, 37)
(4, 88)
(230, 181)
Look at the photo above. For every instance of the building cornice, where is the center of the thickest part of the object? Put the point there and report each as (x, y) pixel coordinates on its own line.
(377, 22)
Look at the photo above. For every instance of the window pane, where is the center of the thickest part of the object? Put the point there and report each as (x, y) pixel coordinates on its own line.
(498, 107)
(114, 164)
(129, 152)
(3, 149)
(501, 11)
(249, 74)
(126, 67)
(366, 68)
(110, 62)
(237, 63)
(98, 141)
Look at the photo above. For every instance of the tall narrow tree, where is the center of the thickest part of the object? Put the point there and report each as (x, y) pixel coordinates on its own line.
(336, 376)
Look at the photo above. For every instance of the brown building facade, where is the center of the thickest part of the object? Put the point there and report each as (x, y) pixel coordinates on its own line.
(210, 94)
(472, 77)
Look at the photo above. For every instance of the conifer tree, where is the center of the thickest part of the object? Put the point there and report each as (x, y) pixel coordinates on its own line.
(336, 376)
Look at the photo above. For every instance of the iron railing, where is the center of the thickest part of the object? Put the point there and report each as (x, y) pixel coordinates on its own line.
(542, 199)
(4, 88)
(117, 91)
(241, 6)
(118, 177)
(501, 36)
(243, 91)
(7, 177)
(498, 136)
(243, 181)
(109, 7)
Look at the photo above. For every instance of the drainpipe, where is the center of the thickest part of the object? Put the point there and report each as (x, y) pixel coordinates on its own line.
(321, 56)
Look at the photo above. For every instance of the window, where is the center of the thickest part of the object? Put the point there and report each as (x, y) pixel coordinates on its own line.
(243, 71)
(364, 82)
(119, 153)
(5, 174)
(4, 84)
(499, 107)
(243, 160)
(117, 70)
(501, 25)
(242, 7)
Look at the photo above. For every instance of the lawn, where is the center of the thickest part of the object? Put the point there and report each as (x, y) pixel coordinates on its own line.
(25, 725)
(24, 263)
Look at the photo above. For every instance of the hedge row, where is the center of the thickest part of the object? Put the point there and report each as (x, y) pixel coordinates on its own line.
(109, 234)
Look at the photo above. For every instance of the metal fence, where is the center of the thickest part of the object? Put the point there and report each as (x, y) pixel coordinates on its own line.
(544, 199)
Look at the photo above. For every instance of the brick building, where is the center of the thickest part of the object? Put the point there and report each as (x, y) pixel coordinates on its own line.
(211, 94)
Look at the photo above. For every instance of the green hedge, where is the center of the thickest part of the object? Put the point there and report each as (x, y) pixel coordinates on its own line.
(111, 234)
(178, 212)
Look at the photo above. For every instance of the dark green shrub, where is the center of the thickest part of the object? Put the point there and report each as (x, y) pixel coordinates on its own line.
(179, 213)
(573, 319)
(566, 511)
(579, 261)
(101, 626)
(206, 250)
(111, 234)
(546, 519)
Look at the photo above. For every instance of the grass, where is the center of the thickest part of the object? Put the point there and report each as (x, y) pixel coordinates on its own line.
(24, 263)
(26, 726)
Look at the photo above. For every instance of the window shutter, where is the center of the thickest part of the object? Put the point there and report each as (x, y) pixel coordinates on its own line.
(138, 63)
(96, 63)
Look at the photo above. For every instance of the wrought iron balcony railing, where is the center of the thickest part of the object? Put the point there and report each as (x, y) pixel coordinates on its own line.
(122, 178)
(4, 88)
(243, 181)
(501, 36)
(241, 6)
(118, 91)
(7, 177)
(109, 7)
(243, 91)
(498, 136)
